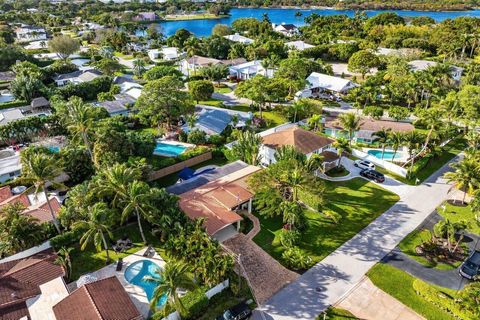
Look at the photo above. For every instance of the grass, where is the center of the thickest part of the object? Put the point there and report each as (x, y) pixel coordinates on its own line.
(337, 172)
(272, 118)
(459, 212)
(197, 16)
(223, 90)
(212, 102)
(90, 260)
(399, 285)
(358, 201)
(337, 314)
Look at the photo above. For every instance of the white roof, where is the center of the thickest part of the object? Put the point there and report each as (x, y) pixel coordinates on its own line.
(298, 45)
(421, 65)
(134, 92)
(325, 81)
(254, 66)
(124, 87)
(10, 164)
(37, 45)
(10, 115)
(239, 38)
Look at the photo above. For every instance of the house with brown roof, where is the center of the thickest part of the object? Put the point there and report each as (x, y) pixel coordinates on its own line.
(368, 127)
(219, 200)
(195, 63)
(22, 280)
(105, 299)
(304, 141)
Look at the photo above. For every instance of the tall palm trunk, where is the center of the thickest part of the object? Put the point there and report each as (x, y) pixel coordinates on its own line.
(140, 225)
(87, 145)
(54, 219)
(105, 245)
(383, 151)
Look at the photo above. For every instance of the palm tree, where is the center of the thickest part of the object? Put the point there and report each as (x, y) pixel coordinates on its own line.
(139, 67)
(191, 120)
(296, 107)
(383, 137)
(40, 170)
(247, 148)
(80, 121)
(169, 280)
(64, 260)
(96, 229)
(447, 229)
(396, 140)
(342, 146)
(114, 181)
(466, 175)
(350, 123)
(315, 121)
(234, 120)
(412, 140)
(432, 118)
(136, 199)
(191, 47)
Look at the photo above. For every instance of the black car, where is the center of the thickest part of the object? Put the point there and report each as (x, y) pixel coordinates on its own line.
(372, 175)
(471, 267)
(239, 312)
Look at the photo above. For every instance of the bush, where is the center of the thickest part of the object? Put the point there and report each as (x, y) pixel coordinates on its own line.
(310, 200)
(296, 259)
(289, 238)
(13, 104)
(197, 137)
(373, 111)
(87, 90)
(216, 139)
(195, 302)
(192, 153)
(66, 239)
(336, 217)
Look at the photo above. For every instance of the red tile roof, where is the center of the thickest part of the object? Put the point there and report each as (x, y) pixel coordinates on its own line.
(19, 198)
(5, 193)
(104, 299)
(42, 211)
(303, 140)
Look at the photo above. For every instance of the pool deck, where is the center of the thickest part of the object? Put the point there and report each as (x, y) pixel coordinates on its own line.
(401, 156)
(187, 146)
(136, 293)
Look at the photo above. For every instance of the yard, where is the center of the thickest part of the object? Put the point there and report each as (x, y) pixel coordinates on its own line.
(399, 285)
(457, 212)
(358, 201)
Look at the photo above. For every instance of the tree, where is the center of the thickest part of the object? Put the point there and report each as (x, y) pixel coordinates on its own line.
(466, 175)
(108, 66)
(396, 140)
(315, 122)
(412, 140)
(342, 146)
(247, 148)
(64, 259)
(63, 46)
(383, 137)
(136, 198)
(158, 72)
(350, 122)
(41, 169)
(191, 120)
(26, 87)
(221, 30)
(201, 89)
(139, 67)
(169, 280)
(80, 121)
(97, 229)
(469, 298)
(163, 100)
(255, 90)
(447, 230)
(362, 61)
(398, 113)
(215, 72)
(432, 119)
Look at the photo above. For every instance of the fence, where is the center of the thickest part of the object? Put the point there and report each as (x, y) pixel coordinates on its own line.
(381, 163)
(28, 252)
(179, 166)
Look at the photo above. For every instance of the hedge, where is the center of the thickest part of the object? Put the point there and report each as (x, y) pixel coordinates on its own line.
(192, 153)
(13, 104)
(195, 302)
(66, 239)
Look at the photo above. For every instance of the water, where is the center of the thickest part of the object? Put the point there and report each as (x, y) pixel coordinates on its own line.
(136, 273)
(6, 97)
(203, 28)
(388, 155)
(168, 150)
(54, 149)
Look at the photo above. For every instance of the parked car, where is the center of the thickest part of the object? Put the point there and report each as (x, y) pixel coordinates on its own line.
(364, 164)
(470, 268)
(239, 312)
(372, 175)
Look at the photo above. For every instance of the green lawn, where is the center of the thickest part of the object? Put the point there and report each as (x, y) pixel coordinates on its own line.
(196, 16)
(91, 260)
(399, 285)
(358, 201)
(223, 90)
(212, 102)
(337, 314)
(272, 118)
(459, 212)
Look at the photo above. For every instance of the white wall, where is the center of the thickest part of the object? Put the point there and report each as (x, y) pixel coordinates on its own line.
(381, 163)
(28, 252)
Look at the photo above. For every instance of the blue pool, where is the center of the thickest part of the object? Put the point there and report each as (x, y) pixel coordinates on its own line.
(168, 150)
(387, 155)
(54, 149)
(136, 273)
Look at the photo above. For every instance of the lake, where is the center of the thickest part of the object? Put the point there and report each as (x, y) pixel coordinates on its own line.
(204, 27)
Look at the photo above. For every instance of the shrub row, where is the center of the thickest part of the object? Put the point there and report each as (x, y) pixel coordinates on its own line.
(13, 104)
(66, 239)
(195, 302)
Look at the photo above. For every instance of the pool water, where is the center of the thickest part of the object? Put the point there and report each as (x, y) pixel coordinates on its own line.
(168, 150)
(54, 149)
(136, 274)
(387, 155)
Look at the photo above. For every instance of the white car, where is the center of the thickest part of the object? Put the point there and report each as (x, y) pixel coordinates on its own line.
(364, 164)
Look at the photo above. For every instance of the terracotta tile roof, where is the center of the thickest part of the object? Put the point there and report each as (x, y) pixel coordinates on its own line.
(105, 299)
(5, 193)
(42, 211)
(215, 200)
(303, 140)
(329, 156)
(19, 198)
(368, 124)
(20, 279)
(13, 311)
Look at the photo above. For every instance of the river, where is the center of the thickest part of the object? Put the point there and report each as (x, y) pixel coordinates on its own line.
(203, 28)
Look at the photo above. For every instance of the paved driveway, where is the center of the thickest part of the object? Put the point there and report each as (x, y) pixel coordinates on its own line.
(332, 278)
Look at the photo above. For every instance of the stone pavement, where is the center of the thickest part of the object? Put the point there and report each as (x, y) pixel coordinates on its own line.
(329, 280)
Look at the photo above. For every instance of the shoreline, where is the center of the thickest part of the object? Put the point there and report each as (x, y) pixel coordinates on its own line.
(189, 17)
(352, 8)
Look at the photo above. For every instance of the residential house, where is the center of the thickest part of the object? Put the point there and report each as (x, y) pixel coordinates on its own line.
(247, 70)
(367, 128)
(239, 38)
(195, 63)
(101, 299)
(319, 83)
(288, 30)
(10, 115)
(306, 142)
(120, 106)
(298, 45)
(23, 282)
(128, 86)
(165, 53)
(213, 120)
(217, 196)
(77, 77)
(146, 16)
(39, 103)
(10, 166)
(27, 33)
(421, 65)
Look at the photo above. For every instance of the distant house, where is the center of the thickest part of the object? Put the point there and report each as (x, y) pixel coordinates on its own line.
(239, 38)
(421, 65)
(10, 166)
(10, 115)
(101, 299)
(165, 53)
(288, 30)
(368, 127)
(298, 45)
(25, 282)
(213, 120)
(247, 70)
(146, 16)
(39, 103)
(119, 106)
(27, 33)
(77, 77)
(319, 82)
(304, 141)
(128, 87)
(197, 62)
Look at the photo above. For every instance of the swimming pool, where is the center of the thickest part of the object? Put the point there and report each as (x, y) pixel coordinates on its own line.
(168, 149)
(136, 273)
(388, 155)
